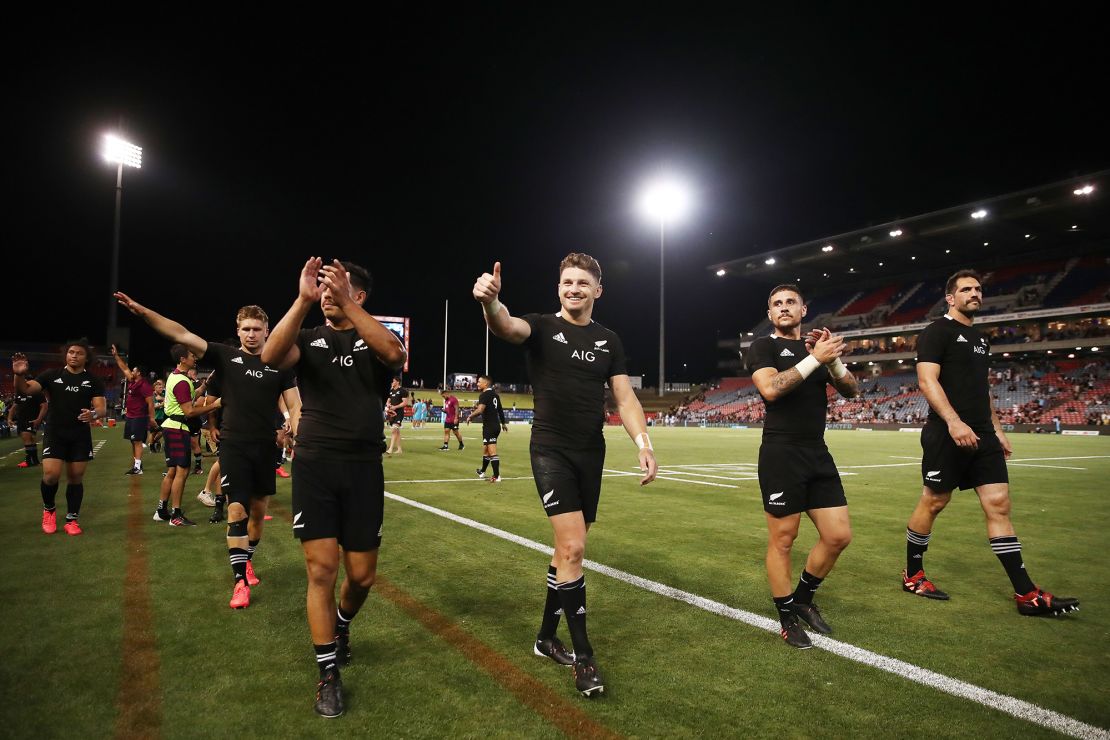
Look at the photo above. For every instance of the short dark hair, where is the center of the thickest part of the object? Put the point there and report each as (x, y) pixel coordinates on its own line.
(488, 378)
(179, 352)
(360, 276)
(951, 284)
(786, 286)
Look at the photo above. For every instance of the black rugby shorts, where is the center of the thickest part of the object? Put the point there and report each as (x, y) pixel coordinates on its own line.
(344, 499)
(247, 470)
(798, 477)
(568, 480)
(945, 466)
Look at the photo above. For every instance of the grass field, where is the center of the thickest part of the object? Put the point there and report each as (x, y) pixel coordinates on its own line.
(125, 631)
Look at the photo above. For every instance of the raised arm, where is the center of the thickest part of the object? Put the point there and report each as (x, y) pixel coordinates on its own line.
(382, 342)
(120, 363)
(281, 348)
(928, 378)
(20, 367)
(773, 384)
(503, 324)
(632, 416)
(168, 328)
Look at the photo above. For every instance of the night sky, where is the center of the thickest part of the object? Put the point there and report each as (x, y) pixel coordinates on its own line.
(429, 147)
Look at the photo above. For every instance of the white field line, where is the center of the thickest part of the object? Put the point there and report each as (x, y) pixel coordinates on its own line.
(993, 700)
(663, 475)
(1034, 465)
(476, 479)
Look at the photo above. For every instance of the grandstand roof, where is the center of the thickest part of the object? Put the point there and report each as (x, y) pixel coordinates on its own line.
(1044, 220)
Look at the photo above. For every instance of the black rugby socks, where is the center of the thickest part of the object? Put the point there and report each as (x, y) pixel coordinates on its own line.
(1008, 551)
(572, 596)
(552, 608)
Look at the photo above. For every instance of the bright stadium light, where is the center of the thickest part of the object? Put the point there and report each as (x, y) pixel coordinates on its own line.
(896, 232)
(1085, 190)
(664, 200)
(981, 213)
(827, 248)
(948, 251)
(769, 261)
(122, 152)
(722, 272)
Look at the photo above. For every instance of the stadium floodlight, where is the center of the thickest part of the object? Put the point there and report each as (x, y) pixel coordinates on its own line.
(981, 213)
(827, 248)
(769, 261)
(1085, 190)
(666, 200)
(722, 272)
(1094, 349)
(880, 264)
(1027, 236)
(896, 232)
(751, 333)
(121, 153)
(986, 244)
(948, 251)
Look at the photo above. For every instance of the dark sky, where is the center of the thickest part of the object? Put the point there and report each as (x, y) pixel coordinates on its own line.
(429, 147)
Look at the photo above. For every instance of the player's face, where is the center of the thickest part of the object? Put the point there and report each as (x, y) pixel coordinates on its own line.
(327, 302)
(190, 365)
(578, 290)
(159, 386)
(76, 357)
(395, 385)
(252, 334)
(967, 297)
(482, 384)
(785, 309)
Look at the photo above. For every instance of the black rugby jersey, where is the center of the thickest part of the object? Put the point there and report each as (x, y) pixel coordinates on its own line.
(396, 398)
(342, 385)
(249, 391)
(493, 416)
(569, 366)
(27, 407)
(964, 358)
(68, 393)
(800, 414)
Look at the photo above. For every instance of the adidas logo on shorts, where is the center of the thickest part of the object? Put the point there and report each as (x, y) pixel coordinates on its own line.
(319, 343)
(237, 360)
(786, 353)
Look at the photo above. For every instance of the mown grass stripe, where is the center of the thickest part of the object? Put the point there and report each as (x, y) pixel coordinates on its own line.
(139, 696)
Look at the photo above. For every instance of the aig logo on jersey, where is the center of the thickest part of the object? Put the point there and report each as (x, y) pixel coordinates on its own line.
(584, 354)
(344, 360)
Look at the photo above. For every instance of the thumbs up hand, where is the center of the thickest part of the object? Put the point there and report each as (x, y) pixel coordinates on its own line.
(488, 286)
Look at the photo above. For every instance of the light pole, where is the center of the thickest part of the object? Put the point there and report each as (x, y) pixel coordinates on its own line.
(665, 200)
(122, 153)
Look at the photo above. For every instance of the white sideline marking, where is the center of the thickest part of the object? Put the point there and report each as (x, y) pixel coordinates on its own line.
(991, 699)
(670, 476)
(1034, 465)
(476, 479)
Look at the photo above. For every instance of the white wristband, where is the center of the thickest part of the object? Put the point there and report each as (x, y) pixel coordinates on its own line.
(643, 441)
(492, 308)
(286, 413)
(837, 368)
(807, 365)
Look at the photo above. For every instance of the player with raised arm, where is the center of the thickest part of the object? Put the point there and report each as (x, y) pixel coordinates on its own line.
(249, 390)
(963, 445)
(796, 472)
(76, 399)
(138, 410)
(570, 359)
(343, 368)
(26, 415)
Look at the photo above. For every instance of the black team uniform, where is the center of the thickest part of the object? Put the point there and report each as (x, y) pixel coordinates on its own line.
(249, 391)
(493, 418)
(396, 398)
(66, 437)
(568, 366)
(27, 408)
(796, 471)
(963, 354)
(339, 485)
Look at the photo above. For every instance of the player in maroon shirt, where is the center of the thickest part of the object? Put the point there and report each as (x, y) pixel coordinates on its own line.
(139, 411)
(450, 419)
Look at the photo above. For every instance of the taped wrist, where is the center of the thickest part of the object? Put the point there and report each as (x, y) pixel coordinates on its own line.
(807, 365)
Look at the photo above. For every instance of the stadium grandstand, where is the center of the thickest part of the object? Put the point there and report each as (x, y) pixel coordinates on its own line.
(1044, 255)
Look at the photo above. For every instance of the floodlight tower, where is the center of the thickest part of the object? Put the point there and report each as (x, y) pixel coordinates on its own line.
(664, 200)
(122, 153)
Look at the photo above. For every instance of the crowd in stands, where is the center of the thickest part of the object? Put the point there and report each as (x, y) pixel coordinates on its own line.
(1026, 393)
